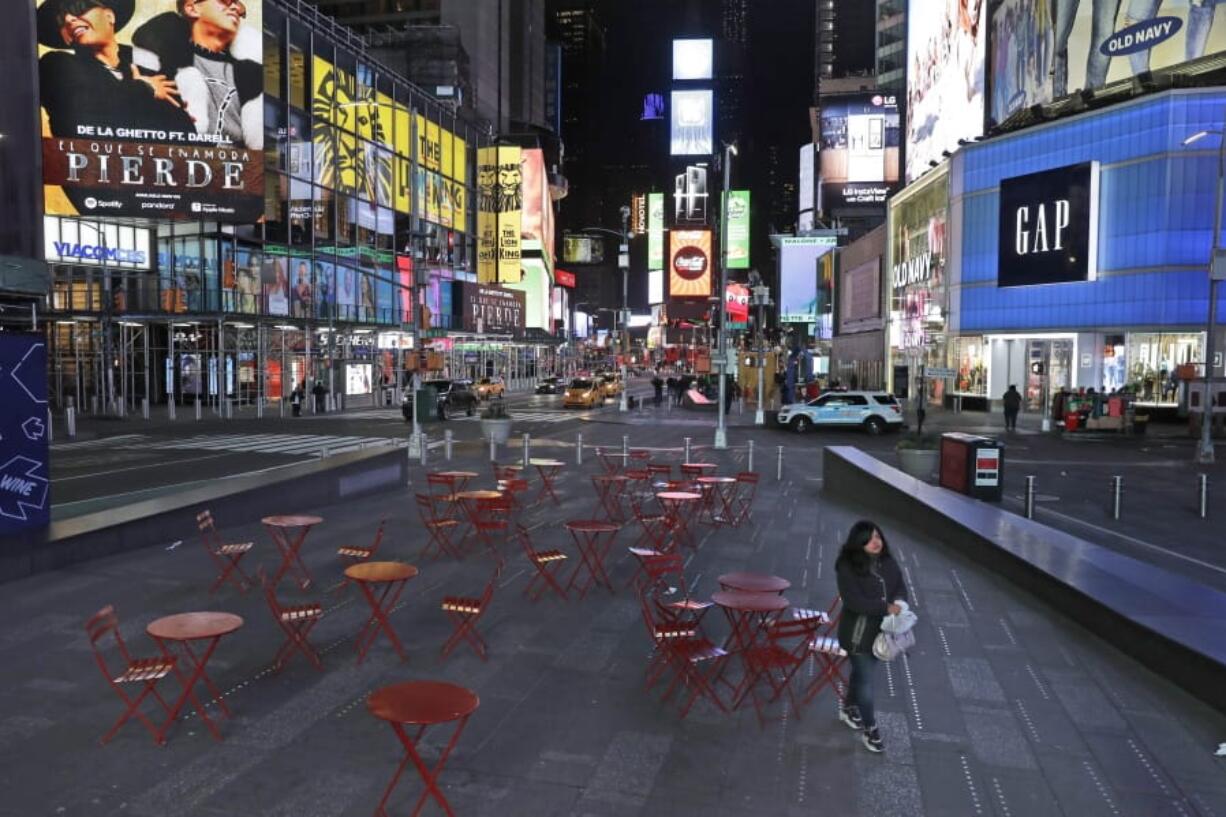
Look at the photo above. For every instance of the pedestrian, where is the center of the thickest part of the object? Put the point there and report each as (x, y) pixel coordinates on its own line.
(295, 398)
(319, 391)
(672, 389)
(1013, 404)
(871, 585)
(729, 392)
(658, 385)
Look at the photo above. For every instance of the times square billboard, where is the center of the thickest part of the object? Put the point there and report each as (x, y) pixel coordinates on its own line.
(1043, 51)
(152, 108)
(945, 77)
(859, 155)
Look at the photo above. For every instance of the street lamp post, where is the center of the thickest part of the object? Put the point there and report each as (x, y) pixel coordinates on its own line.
(1204, 450)
(623, 261)
(419, 259)
(721, 362)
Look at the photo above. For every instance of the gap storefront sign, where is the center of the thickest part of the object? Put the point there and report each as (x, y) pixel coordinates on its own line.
(1153, 221)
(1049, 227)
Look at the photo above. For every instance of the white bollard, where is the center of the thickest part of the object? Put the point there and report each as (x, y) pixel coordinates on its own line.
(579, 448)
(197, 408)
(447, 442)
(687, 450)
(493, 450)
(144, 407)
(71, 415)
(527, 451)
(779, 465)
(749, 458)
(170, 408)
(625, 451)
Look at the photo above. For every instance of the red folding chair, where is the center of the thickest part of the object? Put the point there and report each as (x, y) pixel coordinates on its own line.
(464, 613)
(226, 555)
(660, 471)
(296, 621)
(686, 653)
(352, 554)
(655, 527)
(747, 489)
(831, 658)
(491, 523)
(510, 481)
(548, 564)
(439, 527)
(786, 649)
(448, 483)
(691, 472)
(664, 579)
(144, 671)
(610, 461)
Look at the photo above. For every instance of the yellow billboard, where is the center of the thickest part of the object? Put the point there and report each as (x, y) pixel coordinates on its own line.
(510, 211)
(487, 215)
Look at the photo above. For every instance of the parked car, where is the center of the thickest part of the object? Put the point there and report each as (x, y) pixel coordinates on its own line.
(550, 385)
(875, 412)
(454, 396)
(585, 392)
(488, 387)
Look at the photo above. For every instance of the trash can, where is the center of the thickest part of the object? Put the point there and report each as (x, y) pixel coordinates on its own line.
(427, 403)
(972, 465)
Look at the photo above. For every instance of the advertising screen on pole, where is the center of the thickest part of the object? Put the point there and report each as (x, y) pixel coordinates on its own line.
(738, 229)
(798, 274)
(1039, 56)
(945, 77)
(152, 108)
(691, 118)
(655, 231)
(689, 274)
(859, 152)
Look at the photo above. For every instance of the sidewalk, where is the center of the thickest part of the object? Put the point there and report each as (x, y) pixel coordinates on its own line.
(1002, 708)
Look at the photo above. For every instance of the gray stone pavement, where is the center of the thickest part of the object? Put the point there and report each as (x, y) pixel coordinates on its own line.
(1003, 708)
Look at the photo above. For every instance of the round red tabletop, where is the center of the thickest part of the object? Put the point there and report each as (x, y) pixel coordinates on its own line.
(750, 602)
(715, 480)
(705, 466)
(193, 626)
(458, 474)
(754, 582)
(679, 496)
(591, 526)
(478, 495)
(291, 520)
(380, 571)
(610, 477)
(422, 702)
(547, 463)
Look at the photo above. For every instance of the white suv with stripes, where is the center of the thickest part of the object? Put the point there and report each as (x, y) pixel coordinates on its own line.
(875, 412)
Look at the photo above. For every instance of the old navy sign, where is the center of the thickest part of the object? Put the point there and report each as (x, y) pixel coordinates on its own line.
(915, 270)
(1049, 227)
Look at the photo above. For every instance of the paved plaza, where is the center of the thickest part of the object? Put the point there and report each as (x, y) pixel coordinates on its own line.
(1003, 707)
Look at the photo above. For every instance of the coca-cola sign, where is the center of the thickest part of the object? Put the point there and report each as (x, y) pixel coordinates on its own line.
(691, 264)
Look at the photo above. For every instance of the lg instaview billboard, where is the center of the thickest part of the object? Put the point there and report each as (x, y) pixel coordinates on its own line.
(152, 108)
(945, 77)
(1043, 50)
(859, 150)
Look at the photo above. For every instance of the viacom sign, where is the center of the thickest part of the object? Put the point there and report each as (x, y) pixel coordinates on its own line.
(1049, 227)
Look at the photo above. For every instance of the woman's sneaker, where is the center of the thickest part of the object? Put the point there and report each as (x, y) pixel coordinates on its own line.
(850, 715)
(872, 740)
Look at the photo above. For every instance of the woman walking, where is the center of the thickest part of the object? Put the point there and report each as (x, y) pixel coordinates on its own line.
(870, 584)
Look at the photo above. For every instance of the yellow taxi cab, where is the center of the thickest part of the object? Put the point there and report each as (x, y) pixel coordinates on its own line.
(583, 391)
(488, 387)
(611, 384)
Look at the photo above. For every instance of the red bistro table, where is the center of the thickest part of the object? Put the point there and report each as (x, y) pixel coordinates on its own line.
(183, 629)
(381, 584)
(721, 491)
(457, 482)
(421, 704)
(289, 542)
(549, 470)
(610, 488)
(468, 501)
(748, 615)
(753, 582)
(587, 534)
(677, 513)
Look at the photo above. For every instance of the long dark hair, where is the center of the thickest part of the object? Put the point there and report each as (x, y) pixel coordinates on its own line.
(852, 551)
